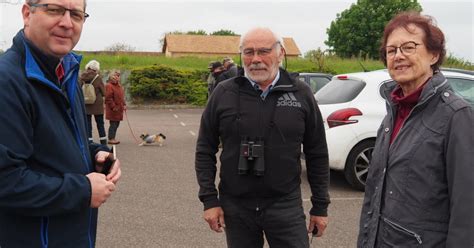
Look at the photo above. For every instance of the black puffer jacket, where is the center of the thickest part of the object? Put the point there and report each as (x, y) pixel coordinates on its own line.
(419, 188)
(287, 118)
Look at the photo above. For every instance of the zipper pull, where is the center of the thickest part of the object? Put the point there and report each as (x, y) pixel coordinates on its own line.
(418, 238)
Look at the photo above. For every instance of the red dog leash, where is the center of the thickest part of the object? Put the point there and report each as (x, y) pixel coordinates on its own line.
(130, 128)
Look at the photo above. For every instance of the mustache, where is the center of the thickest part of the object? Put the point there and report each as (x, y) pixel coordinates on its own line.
(257, 66)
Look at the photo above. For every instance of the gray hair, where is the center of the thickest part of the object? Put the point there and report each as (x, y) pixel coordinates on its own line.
(277, 37)
(94, 65)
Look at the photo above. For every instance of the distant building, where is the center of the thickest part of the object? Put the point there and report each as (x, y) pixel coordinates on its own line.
(177, 45)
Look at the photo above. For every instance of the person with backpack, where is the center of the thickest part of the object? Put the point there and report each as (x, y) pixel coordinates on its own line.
(94, 92)
(114, 104)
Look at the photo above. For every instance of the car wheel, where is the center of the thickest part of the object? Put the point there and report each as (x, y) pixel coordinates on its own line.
(357, 164)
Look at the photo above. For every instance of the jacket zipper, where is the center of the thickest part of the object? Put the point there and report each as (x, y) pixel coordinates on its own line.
(44, 232)
(272, 123)
(404, 230)
(280, 132)
(287, 86)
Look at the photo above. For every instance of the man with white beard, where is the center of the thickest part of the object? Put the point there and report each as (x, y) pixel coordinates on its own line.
(262, 118)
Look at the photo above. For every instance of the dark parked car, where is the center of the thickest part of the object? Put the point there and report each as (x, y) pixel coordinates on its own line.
(315, 80)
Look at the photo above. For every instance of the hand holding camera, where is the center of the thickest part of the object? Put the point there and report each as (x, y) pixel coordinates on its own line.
(106, 166)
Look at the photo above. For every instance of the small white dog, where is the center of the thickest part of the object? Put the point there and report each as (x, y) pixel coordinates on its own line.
(152, 139)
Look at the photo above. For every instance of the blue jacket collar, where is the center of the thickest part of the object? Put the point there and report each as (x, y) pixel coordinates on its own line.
(70, 63)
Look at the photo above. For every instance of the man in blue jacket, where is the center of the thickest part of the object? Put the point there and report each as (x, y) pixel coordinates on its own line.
(50, 187)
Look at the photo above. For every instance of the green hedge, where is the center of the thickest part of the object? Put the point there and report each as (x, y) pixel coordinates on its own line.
(165, 85)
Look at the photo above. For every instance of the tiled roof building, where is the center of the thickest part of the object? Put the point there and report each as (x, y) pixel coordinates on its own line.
(176, 45)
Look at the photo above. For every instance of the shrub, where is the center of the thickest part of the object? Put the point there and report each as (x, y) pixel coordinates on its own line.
(163, 84)
(452, 61)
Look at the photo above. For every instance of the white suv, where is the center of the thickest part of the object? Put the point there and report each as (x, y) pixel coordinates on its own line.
(353, 109)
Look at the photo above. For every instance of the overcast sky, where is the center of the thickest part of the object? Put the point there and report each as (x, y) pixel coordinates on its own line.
(141, 24)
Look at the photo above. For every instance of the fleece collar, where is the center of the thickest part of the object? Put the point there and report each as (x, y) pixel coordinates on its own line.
(284, 83)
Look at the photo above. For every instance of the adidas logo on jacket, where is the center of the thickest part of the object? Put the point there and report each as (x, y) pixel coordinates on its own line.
(288, 99)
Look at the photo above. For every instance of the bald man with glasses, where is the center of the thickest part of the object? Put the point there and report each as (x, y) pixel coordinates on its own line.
(50, 175)
(262, 117)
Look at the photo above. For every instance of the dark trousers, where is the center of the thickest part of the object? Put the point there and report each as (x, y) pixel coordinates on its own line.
(283, 223)
(99, 120)
(113, 129)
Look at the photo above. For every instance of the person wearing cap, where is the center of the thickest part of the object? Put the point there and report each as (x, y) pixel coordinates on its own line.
(91, 75)
(231, 70)
(216, 69)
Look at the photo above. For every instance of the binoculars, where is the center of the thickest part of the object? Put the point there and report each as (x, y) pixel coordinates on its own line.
(251, 156)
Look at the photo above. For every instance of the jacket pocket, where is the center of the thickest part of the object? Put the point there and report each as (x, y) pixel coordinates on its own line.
(396, 235)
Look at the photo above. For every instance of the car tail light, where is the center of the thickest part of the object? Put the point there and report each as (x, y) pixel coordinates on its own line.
(341, 117)
(344, 77)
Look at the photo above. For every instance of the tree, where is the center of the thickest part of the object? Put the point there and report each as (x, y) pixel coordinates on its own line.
(318, 57)
(357, 31)
(120, 47)
(224, 32)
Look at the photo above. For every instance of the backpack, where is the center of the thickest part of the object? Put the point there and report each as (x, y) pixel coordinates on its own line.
(89, 91)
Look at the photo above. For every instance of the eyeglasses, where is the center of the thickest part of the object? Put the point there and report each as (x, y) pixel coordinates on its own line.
(58, 10)
(262, 52)
(407, 48)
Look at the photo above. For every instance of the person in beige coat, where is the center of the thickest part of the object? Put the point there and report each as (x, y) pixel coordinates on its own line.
(96, 109)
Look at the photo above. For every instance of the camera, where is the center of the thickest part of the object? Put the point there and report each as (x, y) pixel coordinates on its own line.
(108, 164)
(251, 156)
(109, 161)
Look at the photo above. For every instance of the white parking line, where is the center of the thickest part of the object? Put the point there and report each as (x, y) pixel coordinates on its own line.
(175, 116)
(182, 124)
(192, 133)
(341, 199)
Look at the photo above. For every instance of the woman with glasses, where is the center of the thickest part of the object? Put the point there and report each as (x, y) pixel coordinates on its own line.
(419, 187)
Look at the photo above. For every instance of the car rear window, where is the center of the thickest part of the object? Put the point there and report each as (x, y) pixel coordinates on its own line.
(339, 91)
(316, 83)
(464, 88)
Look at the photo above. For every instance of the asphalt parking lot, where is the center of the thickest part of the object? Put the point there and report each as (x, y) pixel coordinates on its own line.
(156, 202)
